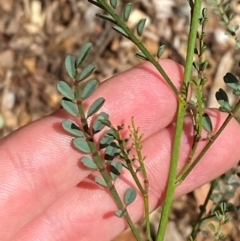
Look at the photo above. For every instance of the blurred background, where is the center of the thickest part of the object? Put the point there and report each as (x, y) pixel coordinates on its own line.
(36, 36)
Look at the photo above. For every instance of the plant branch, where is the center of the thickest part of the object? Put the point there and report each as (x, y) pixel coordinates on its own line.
(189, 166)
(179, 125)
(138, 43)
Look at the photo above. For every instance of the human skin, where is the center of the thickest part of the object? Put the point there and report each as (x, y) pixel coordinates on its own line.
(46, 194)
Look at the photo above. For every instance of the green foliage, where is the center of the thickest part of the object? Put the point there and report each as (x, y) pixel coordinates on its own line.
(87, 162)
(101, 182)
(160, 50)
(223, 101)
(65, 90)
(140, 26)
(115, 169)
(223, 9)
(108, 152)
(89, 88)
(70, 107)
(72, 128)
(81, 145)
(86, 72)
(70, 63)
(126, 11)
(83, 53)
(95, 106)
(129, 196)
(97, 124)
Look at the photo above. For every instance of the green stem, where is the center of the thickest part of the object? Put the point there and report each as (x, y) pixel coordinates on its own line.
(179, 125)
(172, 173)
(198, 222)
(138, 43)
(189, 166)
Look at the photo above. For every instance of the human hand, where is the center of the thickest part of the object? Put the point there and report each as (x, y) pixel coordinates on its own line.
(47, 195)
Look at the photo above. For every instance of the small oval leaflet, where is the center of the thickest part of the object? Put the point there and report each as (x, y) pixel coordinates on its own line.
(86, 48)
(65, 90)
(141, 55)
(105, 141)
(106, 17)
(126, 11)
(70, 107)
(231, 81)
(140, 26)
(160, 51)
(120, 213)
(96, 105)
(115, 169)
(111, 132)
(121, 31)
(106, 122)
(86, 72)
(100, 181)
(81, 145)
(222, 99)
(89, 88)
(130, 196)
(72, 128)
(114, 3)
(70, 64)
(207, 123)
(96, 3)
(111, 152)
(98, 125)
(87, 162)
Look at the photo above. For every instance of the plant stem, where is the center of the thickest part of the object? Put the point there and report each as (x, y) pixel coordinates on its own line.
(179, 125)
(172, 173)
(189, 166)
(202, 211)
(138, 43)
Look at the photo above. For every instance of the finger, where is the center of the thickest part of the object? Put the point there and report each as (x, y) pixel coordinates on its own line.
(87, 211)
(38, 163)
